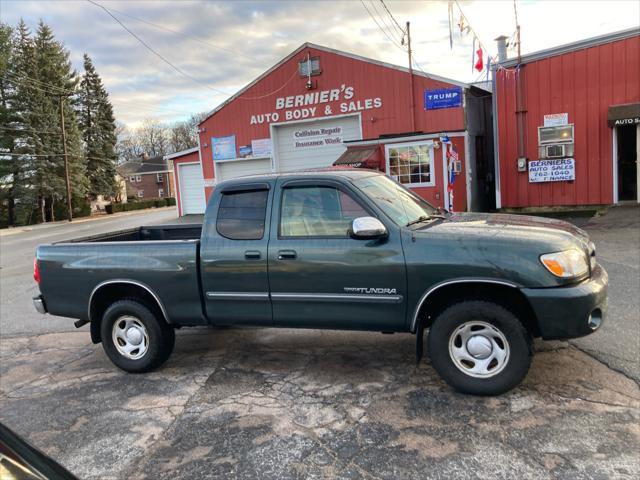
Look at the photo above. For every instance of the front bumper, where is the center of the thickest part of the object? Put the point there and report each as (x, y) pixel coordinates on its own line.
(38, 303)
(572, 311)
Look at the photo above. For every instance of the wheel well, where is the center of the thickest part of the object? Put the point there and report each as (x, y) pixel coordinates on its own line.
(509, 297)
(112, 292)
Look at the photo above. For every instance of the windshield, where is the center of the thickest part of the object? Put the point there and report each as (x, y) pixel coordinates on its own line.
(400, 204)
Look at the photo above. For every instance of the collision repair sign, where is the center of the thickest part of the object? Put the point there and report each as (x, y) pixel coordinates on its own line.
(443, 98)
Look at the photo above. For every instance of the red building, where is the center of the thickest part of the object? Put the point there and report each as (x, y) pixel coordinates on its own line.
(320, 106)
(568, 124)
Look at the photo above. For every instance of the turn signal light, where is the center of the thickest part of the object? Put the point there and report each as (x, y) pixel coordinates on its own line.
(554, 266)
(36, 271)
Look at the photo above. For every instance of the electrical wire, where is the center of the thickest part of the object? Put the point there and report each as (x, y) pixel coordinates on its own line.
(157, 54)
(382, 17)
(393, 18)
(381, 29)
(175, 32)
(274, 91)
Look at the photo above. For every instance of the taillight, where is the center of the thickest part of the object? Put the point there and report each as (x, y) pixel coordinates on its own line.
(36, 271)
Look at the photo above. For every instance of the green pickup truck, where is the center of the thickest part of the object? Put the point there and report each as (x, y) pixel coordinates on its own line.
(335, 249)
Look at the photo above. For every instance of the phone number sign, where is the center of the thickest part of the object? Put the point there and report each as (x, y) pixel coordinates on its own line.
(560, 170)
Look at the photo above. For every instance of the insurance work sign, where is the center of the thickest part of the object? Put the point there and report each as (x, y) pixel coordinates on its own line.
(443, 98)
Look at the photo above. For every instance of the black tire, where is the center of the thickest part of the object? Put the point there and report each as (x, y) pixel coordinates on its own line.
(472, 314)
(159, 339)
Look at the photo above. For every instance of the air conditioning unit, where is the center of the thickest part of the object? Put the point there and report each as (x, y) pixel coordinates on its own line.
(555, 151)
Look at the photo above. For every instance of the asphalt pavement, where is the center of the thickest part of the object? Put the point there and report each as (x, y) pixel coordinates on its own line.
(291, 404)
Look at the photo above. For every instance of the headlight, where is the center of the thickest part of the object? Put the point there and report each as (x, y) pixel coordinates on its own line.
(567, 264)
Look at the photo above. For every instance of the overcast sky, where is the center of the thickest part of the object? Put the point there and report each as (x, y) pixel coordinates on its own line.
(235, 41)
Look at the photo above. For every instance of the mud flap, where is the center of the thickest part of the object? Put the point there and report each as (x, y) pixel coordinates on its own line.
(419, 343)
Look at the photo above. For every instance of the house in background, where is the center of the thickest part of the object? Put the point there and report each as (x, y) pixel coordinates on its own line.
(148, 178)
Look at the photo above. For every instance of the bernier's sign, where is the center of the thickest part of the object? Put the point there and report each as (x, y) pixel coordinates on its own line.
(320, 103)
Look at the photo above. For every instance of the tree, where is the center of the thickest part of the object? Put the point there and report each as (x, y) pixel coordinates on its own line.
(184, 135)
(98, 131)
(55, 77)
(152, 137)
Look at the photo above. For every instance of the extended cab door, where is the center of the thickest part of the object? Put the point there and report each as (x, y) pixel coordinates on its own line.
(321, 277)
(233, 255)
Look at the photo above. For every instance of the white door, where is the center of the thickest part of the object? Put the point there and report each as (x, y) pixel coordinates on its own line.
(191, 189)
(315, 144)
(241, 167)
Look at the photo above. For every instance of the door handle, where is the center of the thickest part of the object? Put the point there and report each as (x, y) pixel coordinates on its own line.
(252, 255)
(287, 254)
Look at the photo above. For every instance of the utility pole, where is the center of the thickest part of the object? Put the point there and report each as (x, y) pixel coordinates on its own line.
(66, 160)
(411, 93)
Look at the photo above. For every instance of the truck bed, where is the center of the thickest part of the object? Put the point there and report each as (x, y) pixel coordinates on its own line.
(144, 234)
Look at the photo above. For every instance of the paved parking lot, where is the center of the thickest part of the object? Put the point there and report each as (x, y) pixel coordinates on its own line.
(258, 403)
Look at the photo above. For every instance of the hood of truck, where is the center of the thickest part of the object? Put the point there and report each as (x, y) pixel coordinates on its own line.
(547, 232)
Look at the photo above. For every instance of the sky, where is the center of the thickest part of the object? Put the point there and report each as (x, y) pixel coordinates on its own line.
(223, 45)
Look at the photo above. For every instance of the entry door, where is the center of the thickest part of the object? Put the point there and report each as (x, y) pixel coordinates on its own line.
(234, 256)
(320, 276)
(628, 139)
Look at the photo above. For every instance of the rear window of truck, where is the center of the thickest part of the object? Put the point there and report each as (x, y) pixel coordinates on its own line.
(241, 215)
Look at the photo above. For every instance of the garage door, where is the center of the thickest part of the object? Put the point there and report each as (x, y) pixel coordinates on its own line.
(191, 189)
(314, 144)
(242, 167)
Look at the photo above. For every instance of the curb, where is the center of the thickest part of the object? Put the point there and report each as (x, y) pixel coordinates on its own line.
(6, 232)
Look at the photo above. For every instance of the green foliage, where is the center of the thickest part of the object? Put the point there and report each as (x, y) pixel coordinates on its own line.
(139, 205)
(35, 73)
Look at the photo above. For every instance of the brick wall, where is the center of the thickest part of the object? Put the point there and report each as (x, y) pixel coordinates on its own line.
(150, 186)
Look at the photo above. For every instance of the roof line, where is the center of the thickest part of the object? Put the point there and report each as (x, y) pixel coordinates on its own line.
(571, 47)
(180, 153)
(336, 52)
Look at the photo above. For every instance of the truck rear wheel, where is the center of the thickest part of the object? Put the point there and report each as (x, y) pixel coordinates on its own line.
(480, 348)
(133, 338)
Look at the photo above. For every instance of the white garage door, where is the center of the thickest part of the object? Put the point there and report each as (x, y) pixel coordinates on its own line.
(242, 167)
(191, 189)
(314, 144)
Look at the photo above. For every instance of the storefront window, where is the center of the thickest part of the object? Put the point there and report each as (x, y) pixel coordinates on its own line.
(411, 164)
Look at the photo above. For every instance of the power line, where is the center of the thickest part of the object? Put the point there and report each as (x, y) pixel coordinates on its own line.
(381, 29)
(150, 48)
(383, 20)
(166, 29)
(392, 17)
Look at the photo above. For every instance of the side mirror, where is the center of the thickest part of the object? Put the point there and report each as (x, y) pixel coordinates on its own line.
(367, 227)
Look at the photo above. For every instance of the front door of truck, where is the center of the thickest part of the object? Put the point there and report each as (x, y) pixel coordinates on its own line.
(233, 255)
(321, 277)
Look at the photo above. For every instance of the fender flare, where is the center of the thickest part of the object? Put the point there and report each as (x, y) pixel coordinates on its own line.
(98, 287)
(437, 286)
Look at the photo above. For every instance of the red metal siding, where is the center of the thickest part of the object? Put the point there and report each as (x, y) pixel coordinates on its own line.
(188, 158)
(584, 84)
(369, 81)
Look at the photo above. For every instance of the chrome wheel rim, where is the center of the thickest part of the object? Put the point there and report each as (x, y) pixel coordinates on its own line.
(130, 337)
(479, 349)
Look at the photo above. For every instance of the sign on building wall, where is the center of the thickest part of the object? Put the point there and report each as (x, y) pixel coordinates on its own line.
(261, 147)
(224, 148)
(560, 170)
(443, 98)
(317, 137)
(245, 151)
(556, 119)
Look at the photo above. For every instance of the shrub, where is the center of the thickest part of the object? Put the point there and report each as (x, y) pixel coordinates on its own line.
(171, 202)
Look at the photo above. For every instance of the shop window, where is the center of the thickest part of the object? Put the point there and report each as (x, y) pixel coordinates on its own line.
(161, 192)
(411, 164)
(310, 66)
(241, 215)
(140, 193)
(317, 212)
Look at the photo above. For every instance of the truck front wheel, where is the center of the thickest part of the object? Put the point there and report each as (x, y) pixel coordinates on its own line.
(133, 338)
(480, 348)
